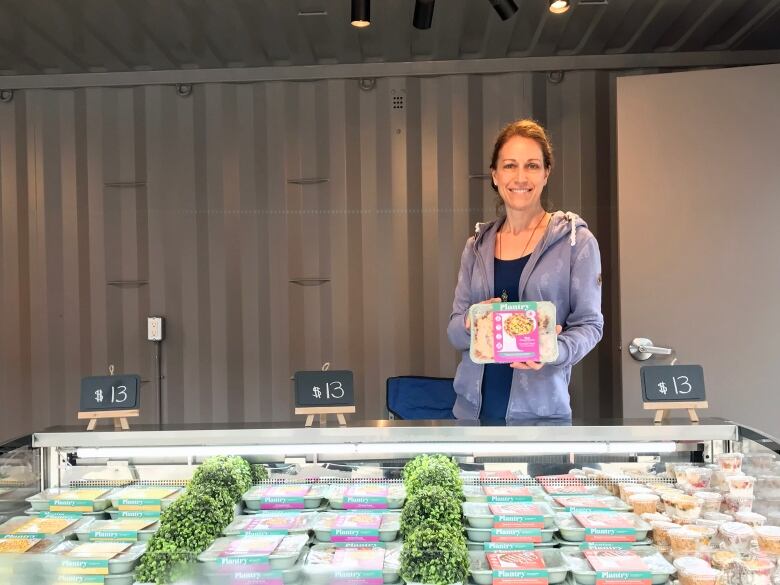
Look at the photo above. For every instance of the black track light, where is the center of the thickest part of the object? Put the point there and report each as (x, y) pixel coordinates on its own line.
(505, 8)
(559, 6)
(361, 13)
(423, 14)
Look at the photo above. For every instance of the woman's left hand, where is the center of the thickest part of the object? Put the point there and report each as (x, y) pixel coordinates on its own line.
(533, 365)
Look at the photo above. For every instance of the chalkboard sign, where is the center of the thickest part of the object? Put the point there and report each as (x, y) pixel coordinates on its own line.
(672, 384)
(109, 392)
(328, 388)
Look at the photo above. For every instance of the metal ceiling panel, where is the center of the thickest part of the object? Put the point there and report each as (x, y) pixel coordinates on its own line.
(87, 36)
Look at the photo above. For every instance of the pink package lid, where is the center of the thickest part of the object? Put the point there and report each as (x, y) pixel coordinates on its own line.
(517, 516)
(583, 502)
(356, 528)
(606, 526)
(615, 566)
(366, 496)
(518, 567)
(280, 497)
(507, 493)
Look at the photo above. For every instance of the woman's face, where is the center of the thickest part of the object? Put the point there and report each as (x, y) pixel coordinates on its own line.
(520, 174)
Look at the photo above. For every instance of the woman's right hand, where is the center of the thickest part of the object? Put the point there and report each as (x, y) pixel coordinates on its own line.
(488, 301)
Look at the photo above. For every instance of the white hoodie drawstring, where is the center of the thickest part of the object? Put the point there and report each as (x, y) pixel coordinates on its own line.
(572, 217)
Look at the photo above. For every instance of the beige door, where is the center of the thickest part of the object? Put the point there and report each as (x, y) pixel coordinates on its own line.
(699, 233)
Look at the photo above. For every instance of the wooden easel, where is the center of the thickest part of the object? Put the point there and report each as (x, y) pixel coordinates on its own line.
(662, 408)
(324, 411)
(120, 418)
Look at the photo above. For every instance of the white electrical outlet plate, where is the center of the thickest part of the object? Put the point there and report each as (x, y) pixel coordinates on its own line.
(154, 328)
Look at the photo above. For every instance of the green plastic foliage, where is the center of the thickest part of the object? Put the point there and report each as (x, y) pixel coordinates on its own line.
(229, 472)
(191, 523)
(259, 473)
(435, 553)
(435, 472)
(431, 502)
(422, 460)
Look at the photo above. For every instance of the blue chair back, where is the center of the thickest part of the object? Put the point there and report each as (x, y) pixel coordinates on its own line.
(420, 397)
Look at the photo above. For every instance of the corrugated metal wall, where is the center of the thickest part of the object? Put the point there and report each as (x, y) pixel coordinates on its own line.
(122, 203)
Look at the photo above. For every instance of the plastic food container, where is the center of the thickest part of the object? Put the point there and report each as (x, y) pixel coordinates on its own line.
(740, 485)
(325, 561)
(583, 572)
(227, 574)
(735, 536)
(710, 501)
(122, 530)
(144, 498)
(54, 528)
(629, 489)
(684, 542)
(768, 538)
(729, 462)
(283, 552)
(523, 515)
(718, 517)
(565, 503)
(356, 527)
(661, 533)
(572, 530)
(699, 576)
(750, 518)
(655, 517)
(82, 500)
(684, 508)
(367, 496)
(733, 504)
(270, 522)
(644, 503)
(18, 546)
(760, 461)
(760, 570)
(284, 497)
(684, 564)
(723, 558)
(503, 493)
(680, 471)
(698, 477)
(482, 574)
(533, 535)
(123, 560)
(767, 486)
(509, 332)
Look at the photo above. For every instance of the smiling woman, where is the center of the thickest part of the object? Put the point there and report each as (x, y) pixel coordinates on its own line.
(527, 254)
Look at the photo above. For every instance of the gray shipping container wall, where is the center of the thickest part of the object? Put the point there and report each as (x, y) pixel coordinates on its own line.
(276, 226)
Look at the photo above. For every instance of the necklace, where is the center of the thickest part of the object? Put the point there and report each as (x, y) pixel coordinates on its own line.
(504, 294)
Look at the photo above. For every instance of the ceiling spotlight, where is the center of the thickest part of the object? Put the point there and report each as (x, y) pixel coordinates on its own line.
(505, 8)
(423, 14)
(361, 13)
(559, 6)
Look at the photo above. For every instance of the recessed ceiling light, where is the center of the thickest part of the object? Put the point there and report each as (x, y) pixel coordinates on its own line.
(559, 6)
(361, 13)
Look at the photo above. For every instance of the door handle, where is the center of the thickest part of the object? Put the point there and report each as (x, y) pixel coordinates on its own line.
(642, 349)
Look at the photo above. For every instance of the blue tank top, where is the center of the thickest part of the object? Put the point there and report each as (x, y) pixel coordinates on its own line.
(497, 380)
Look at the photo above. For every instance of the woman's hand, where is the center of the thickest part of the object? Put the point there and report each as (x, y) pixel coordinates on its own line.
(533, 365)
(488, 301)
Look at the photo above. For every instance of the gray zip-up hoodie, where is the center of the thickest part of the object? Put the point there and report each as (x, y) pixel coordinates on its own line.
(565, 268)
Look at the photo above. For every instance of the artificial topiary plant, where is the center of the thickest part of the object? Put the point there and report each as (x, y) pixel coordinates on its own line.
(230, 472)
(259, 473)
(431, 502)
(422, 460)
(435, 472)
(435, 554)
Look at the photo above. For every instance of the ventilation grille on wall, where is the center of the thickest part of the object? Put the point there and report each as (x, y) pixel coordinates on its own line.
(399, 102)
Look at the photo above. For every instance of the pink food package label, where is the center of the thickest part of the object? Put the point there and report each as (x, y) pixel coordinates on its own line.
(618, 566)
(583, 502)
(284, 497)
(506, 493)
(515, 332)
(517, 516)
(356, 528)
(366, 497)
(607, 526)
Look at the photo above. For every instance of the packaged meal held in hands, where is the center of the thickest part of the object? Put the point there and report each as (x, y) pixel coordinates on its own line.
(513, 332)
